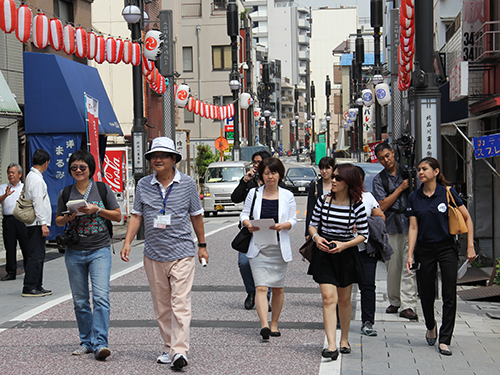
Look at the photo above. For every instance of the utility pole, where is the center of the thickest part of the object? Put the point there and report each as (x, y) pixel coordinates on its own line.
(248, 58)
(265, 111)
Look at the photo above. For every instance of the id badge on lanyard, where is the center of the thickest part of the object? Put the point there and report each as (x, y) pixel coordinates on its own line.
(162, 220)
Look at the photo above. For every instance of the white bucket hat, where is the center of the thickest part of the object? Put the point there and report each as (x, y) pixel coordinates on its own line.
(163, 144)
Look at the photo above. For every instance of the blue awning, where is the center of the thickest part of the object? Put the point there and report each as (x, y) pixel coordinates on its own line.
(54, 90)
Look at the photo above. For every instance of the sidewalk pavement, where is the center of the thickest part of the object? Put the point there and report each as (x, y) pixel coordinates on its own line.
(37, 335)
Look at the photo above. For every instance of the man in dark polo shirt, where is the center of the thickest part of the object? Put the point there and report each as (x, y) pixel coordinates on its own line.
(391, 191)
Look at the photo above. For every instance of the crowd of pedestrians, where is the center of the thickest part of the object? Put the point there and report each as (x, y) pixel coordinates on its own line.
(341, 217)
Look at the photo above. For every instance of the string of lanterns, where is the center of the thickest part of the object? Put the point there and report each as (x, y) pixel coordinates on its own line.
(406, 48)
(75, 41)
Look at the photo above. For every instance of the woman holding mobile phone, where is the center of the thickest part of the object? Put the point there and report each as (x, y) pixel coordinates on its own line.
(336, 263)
(430, 243)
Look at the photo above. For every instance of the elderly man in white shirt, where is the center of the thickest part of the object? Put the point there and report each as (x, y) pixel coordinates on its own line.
(13, 230)
(36, 190)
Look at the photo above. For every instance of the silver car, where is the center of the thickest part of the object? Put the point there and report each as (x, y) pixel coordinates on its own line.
(221, 178)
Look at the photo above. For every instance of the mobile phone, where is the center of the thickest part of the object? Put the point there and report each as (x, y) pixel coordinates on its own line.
(332, 245)
(415, 267)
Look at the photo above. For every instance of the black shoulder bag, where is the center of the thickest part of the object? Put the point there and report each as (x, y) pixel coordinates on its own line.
(242, 240)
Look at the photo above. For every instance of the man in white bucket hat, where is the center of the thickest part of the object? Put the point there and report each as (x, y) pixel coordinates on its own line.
(167, 201)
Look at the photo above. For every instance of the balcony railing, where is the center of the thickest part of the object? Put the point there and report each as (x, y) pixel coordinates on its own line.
(487, 42)
(191, 10)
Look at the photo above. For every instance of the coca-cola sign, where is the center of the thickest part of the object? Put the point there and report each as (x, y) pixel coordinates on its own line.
(113, 169)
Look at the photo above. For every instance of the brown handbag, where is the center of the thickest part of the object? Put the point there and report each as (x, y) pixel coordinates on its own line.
(456, 220)
(306, 250)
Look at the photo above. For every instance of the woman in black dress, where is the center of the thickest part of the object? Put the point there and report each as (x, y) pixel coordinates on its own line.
(336, 263)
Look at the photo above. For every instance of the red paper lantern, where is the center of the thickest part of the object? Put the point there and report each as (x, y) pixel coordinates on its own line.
(91, 45)
(407, 42)
(8, 16)
(41, 31)
(405, 23)
(190, 103)
(136, 54)
(127, 51)
(56, 34)
(197, 105)
(212, 113)
(69, 39)
(201, 112)
(407, 32)
(231, 109)
(100, 52)
(207, 110)
(23, 29)
(110, 50)
(119, 51)
(147, 64)
(81, 49)
(163, 85)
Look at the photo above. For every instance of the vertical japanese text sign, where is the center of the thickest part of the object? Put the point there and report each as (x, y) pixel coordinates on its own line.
(167, 53)
(92, 117)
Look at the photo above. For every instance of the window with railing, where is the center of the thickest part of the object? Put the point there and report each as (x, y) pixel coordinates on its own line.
(191, 10)
(219, 8)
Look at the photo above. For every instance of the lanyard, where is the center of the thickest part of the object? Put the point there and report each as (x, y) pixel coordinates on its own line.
(166, 197)
(87, 191)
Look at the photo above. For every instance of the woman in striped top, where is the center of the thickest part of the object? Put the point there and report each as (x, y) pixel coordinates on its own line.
(336, 263)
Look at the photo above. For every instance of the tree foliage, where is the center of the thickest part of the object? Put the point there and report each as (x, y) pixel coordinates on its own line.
(204, 157)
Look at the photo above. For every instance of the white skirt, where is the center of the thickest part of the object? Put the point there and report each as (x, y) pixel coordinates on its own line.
(268, 267)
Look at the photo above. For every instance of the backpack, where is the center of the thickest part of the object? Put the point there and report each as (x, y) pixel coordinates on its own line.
(103, 192)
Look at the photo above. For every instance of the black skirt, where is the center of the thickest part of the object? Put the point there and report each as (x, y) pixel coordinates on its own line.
(340, 269)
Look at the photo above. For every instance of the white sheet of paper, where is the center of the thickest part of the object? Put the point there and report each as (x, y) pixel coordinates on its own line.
(264, 236)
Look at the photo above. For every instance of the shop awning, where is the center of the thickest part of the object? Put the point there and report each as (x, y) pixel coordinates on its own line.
(8, 104)
(54, 90)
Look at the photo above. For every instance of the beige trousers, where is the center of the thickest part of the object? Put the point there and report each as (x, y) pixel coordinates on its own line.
(401, 286)
(170, 284)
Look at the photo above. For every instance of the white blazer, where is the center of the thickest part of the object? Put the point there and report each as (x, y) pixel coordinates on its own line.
(287, 211)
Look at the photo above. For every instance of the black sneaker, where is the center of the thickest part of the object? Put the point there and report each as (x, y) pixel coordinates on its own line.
(33, 293)
(45, 292)
(250, 301)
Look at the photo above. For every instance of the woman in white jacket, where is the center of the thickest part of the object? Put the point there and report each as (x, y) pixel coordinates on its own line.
(269, 262)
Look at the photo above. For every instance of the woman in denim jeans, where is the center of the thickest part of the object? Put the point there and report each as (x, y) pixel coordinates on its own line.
(88, 254)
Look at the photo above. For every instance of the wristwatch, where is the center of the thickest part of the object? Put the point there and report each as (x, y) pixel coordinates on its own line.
(202, 244)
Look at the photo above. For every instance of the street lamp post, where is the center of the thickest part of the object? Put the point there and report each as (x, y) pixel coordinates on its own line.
(313, 116)
(376, 21)
(234, 76)
(360, 59)
(296, 111)
(328, 90)
(133, 15)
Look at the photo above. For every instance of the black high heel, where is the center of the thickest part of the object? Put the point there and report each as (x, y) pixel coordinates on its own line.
(330, 354)
(345, 349)
(265, 333)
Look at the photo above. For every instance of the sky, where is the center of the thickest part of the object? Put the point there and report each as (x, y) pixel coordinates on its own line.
(363, 5)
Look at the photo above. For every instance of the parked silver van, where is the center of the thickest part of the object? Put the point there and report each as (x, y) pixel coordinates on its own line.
(221, 178)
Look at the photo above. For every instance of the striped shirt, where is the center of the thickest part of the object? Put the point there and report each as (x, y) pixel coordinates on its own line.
(339, 221)
(175, 241)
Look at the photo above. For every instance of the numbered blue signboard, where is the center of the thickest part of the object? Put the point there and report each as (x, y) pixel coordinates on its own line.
(487, 146)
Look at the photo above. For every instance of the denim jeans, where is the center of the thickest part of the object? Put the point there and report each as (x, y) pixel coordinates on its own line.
(367, 289)
(92, 325)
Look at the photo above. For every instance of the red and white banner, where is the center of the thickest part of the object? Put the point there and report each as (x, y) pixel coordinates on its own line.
(114, 169)
(371, 151)
(92, 117)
